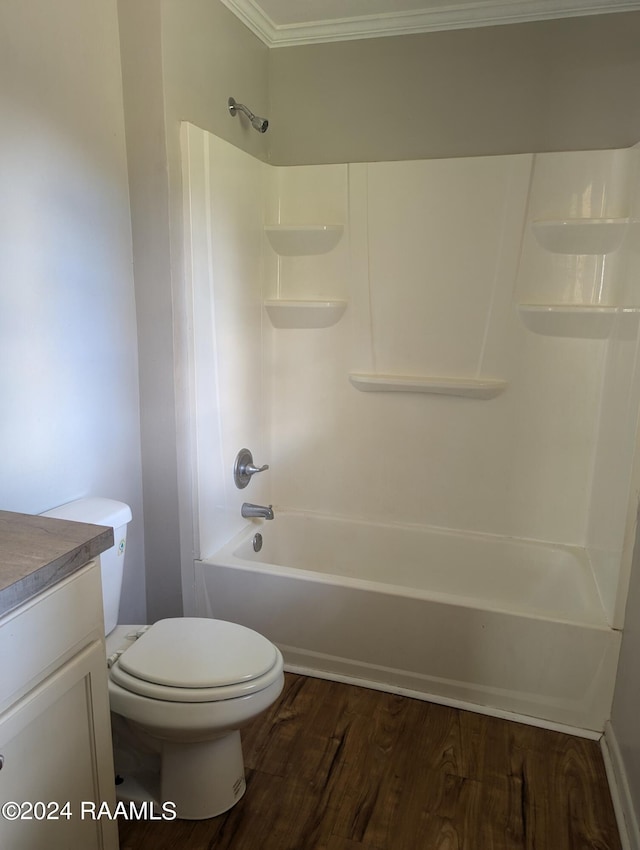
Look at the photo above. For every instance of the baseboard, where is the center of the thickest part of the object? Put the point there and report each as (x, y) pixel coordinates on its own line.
(620, 791)
(463, 705)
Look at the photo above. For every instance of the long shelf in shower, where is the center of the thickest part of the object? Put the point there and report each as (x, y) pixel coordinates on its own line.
(298, 240)
(304, 313)
(481, 388)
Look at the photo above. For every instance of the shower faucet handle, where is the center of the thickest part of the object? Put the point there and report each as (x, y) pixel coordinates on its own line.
(250, 469)
(244, 468)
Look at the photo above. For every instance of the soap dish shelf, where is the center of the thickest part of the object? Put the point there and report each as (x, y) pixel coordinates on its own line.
(305, 313)
(576, 321)
(581, 235)
(298, 240)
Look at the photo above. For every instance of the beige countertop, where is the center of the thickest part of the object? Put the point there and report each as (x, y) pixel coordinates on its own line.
(37, 552)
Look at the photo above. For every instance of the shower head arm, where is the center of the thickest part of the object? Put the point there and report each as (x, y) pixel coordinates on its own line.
(234, 107)
(259, 124)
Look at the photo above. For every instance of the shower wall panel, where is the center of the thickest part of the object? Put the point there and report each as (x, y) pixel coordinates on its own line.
(434, 249)
(616, 474)
(224, 199)
(580, 264)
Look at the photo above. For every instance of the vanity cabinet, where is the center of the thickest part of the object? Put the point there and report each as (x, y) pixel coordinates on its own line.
(55, 735)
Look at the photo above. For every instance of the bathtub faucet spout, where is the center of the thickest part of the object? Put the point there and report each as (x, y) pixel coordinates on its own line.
(249, 510)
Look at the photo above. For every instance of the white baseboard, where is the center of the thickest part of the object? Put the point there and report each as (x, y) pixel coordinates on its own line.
(620, 791)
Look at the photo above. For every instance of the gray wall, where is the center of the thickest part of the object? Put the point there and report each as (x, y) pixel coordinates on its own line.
(140, 28)
(208, 56)
(552, 85)
(69, 425)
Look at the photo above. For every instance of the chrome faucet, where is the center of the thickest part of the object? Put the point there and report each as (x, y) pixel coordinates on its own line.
(248, 510)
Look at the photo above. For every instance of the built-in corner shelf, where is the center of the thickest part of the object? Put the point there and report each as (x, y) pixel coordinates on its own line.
(466, 387)
(291, 240)
(304, 314)
(578, 321)
(580, 235)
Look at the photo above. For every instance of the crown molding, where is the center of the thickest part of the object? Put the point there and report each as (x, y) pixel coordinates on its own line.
(446, 17)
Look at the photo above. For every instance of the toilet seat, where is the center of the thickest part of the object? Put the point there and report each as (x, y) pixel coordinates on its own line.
(195, 659)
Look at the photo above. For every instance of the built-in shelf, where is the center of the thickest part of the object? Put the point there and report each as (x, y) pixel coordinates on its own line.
(581, 235)
(304, 314)
(581, 321)
(465, 387)
(291, 240)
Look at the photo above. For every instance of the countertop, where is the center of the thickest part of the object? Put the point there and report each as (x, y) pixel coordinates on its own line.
(37, 552)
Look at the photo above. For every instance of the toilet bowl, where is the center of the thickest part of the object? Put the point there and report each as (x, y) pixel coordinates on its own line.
(180, 691)
(191, 684)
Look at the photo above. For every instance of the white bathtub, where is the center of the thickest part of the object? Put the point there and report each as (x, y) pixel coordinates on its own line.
(507, 624)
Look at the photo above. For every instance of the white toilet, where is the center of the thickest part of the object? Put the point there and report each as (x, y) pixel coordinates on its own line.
(184, 687)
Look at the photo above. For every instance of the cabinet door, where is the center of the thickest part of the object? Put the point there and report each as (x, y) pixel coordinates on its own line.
(56, 749)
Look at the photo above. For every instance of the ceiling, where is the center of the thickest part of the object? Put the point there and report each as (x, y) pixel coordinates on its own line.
(283, 23)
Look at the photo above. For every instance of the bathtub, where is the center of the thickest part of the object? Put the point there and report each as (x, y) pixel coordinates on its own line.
(480, 621)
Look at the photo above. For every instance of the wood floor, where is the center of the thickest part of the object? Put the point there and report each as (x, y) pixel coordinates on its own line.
(336, 767)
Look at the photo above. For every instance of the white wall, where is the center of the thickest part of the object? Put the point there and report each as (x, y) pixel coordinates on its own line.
(68, 374)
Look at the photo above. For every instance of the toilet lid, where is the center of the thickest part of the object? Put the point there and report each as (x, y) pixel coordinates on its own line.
(193, 652)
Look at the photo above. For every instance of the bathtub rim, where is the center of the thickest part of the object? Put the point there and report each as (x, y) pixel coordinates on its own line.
(227, 552)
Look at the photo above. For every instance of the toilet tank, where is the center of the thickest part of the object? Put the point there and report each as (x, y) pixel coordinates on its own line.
(98, 511)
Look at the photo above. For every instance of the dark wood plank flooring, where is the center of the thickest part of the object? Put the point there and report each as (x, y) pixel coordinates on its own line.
(336, 767)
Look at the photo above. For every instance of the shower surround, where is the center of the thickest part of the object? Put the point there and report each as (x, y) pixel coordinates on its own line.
(495, 334)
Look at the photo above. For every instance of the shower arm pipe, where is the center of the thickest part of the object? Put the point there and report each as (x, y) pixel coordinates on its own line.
(259, 124)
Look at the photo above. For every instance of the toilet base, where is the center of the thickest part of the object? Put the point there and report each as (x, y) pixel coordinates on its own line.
(203, 779)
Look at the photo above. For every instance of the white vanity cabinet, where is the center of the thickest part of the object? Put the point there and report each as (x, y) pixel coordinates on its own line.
(55, 735)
